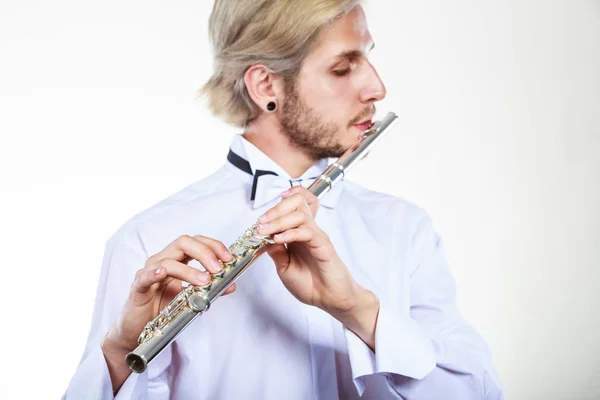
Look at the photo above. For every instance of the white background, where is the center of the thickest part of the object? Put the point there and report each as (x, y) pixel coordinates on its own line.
(499, 139)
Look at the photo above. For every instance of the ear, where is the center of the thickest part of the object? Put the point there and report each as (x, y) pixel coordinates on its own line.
(263, 85)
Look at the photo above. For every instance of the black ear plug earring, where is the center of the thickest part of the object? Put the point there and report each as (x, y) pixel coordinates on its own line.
(271, 106)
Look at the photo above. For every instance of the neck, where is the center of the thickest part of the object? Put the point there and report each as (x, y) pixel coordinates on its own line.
(267, 135)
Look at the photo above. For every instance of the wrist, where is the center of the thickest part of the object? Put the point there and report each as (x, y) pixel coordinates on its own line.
(361, 317)
(114, 354)
(112, 347)
(362, 301)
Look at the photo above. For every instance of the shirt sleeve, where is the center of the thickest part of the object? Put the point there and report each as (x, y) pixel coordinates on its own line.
(433, 353)
(122, 258)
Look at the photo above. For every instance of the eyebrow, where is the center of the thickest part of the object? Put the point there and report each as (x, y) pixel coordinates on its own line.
(352, 53)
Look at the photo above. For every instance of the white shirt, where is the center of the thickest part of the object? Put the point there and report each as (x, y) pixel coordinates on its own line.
(262, 343)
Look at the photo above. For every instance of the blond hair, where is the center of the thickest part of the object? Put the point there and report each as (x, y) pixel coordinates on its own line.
(275, 33)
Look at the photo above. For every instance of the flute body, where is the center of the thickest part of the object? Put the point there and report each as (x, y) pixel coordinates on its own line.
(192, 301)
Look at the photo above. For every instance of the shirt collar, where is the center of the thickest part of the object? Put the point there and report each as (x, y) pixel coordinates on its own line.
(260, 161)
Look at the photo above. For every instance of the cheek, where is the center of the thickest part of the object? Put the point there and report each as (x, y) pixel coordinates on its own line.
(331, 97)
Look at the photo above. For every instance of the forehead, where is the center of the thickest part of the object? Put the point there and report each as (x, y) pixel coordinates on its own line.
(345, 34)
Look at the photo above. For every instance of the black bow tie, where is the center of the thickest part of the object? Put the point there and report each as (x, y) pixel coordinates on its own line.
(270, 187)
(244, 165)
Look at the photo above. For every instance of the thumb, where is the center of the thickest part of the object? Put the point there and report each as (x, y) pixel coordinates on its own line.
(280, 256)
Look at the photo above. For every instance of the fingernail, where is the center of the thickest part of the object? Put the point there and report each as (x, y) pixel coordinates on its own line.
(157, 271)
(217, 266)
(262, 229)
(262, 218)
(203, 278)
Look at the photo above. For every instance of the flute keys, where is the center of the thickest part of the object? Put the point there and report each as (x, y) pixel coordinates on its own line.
(146, 333)
(206, 288)
(266, 239)
(230, 264)
(198, 303)
(217, 276)
(238, 250)
(252, 242)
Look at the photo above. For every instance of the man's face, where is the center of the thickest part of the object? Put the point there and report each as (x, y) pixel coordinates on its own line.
(335, 90)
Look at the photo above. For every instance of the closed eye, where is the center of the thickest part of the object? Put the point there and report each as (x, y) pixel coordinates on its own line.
(342, 72)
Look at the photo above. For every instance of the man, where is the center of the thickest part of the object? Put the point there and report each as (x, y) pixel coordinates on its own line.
(355, 300)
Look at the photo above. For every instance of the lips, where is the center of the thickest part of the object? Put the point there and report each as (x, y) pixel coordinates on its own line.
(364, 125)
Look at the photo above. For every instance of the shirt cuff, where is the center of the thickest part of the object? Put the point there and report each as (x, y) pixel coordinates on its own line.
(401, 348)
(134, 387)
(92, 380)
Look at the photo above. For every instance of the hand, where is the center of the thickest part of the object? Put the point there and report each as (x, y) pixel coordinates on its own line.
(153, 288)
(306, 261)
(311, 269)
(159, 282)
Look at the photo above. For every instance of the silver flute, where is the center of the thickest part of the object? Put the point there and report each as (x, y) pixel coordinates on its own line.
(192, 301)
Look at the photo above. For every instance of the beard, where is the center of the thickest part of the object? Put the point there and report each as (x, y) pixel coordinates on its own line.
(306, 129)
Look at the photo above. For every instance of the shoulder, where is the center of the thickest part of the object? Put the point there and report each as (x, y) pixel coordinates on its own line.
(378, 205)
(159, 213)
(389, 221)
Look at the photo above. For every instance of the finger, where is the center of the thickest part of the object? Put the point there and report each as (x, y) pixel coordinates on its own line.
(302, 234)
(230, 289)
(207, 253)
(172, 251)
(286, 206)
(311, 199)
(204, 250)
(220, 250)
(280, 256)
(167, 267)
(281, 224)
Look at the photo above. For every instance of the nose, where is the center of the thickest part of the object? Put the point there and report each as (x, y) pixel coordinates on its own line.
(374, 89)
